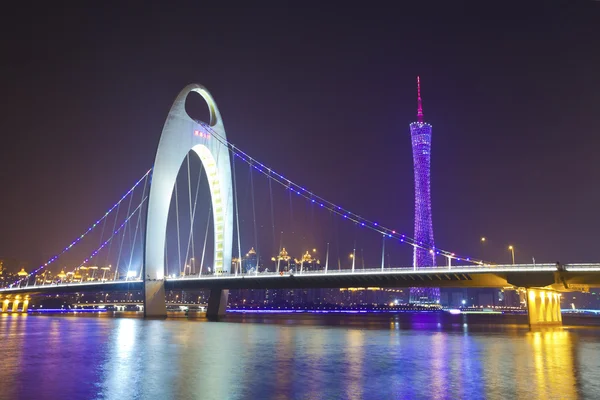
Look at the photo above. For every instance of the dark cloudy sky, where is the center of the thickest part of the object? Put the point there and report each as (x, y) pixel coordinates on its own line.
(323, 94)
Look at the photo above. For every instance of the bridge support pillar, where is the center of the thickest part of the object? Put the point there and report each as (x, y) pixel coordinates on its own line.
(5, 305)
(15, 306)
(25, 305)
(543, 307)
(155, 305)
(217, 304)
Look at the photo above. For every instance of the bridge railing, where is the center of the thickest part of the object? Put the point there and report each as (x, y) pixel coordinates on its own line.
(82, 285)
(390, 270)
(582, 267)
(455, 269)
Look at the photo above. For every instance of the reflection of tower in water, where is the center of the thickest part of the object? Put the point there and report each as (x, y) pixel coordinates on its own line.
(420, 133)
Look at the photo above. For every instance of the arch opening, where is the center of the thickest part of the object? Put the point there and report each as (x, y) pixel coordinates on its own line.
(190, 234)
(198, 109)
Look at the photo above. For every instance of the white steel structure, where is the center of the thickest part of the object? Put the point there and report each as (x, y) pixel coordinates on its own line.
(180, 135)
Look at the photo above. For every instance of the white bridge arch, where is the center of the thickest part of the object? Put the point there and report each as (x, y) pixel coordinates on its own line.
(181, 134)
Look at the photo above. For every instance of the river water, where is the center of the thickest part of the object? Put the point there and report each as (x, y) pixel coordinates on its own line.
(412, 356)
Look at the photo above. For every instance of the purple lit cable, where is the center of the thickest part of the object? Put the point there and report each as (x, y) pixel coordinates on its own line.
(73, 243)
(301, 191)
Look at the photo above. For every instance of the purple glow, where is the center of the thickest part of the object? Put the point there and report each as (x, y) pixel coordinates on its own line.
(420, 133)
(300, 311)
(66, 310)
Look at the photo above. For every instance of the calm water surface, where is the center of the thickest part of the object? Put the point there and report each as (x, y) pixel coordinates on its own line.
(307, 357)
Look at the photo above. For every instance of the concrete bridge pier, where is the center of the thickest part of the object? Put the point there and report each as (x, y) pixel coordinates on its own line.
(543, 307)
(217, 304)
(5, 305)
(15, 306)
(25, 306)
(154, 299)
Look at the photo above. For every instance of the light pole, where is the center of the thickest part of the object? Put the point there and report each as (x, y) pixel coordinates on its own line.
(483, 240)
(327, 258)
(353, 257)
(512, 251)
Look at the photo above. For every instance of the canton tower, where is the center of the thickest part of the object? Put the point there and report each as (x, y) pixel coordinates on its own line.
(420, 133)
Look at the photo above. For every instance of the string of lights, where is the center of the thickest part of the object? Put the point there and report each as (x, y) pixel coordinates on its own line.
(325, 204)
(116, 232)
(281, 180)
(78, 239)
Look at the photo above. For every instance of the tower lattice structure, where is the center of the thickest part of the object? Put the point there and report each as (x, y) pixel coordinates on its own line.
(420, 133)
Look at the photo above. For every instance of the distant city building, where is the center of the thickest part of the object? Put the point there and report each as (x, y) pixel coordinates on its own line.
(420, 133)
(250, 261)
(282, 261)
(308, 263)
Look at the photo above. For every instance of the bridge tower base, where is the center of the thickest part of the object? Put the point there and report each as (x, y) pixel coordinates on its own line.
(543, 307)
(217, 304)
(155, 305)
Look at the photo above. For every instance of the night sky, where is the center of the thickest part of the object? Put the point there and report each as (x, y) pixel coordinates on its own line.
(325, 96)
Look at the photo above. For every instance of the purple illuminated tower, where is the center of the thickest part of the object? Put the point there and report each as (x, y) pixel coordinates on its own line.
(420, 133)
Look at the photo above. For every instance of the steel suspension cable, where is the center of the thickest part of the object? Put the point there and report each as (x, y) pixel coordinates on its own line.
(301, 191)
(137, 227)
(177, 219)
(205, 239)
(191, 235)
(115, 233)
(237, 218)
(192, 218)
(273, 219)
(78, 239)
(110, 245)
(123, 236)
(254, 220)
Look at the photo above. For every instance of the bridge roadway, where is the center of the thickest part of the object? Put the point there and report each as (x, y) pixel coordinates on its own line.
(568, 277)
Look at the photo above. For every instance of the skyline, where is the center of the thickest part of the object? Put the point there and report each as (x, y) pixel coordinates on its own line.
(95, 126)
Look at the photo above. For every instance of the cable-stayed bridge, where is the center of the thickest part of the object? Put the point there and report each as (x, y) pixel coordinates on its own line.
(223, 220)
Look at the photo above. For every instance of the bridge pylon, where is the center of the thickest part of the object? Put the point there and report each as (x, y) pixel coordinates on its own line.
(181, 135)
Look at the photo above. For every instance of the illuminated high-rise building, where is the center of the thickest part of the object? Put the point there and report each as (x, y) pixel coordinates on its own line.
(423, 256)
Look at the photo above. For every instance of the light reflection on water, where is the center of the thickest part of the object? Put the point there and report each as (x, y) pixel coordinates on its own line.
(320, 357)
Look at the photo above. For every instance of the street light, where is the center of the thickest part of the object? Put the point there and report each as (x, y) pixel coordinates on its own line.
(483, 246)
(512, 251)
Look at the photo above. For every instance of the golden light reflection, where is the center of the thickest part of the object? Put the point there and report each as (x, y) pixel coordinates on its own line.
(553, 364)
(315, 352)
(284, 352)
(354, 358)
(14, 329)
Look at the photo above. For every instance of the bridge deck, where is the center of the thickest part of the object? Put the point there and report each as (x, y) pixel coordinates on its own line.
(538, 275)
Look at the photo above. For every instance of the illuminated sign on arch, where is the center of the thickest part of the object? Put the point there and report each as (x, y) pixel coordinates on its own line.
(201, 134)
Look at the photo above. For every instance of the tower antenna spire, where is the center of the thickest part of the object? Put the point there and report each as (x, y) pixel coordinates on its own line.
(420, 105)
